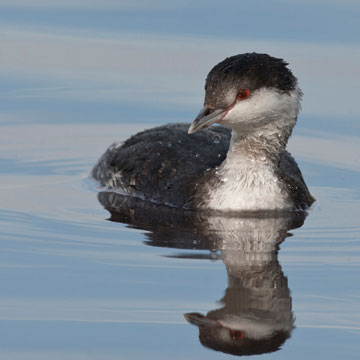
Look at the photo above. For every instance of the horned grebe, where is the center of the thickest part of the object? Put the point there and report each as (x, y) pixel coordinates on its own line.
(241, 166)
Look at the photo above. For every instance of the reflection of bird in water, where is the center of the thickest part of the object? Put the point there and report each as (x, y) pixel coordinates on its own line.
(256, 313)
(254, 95)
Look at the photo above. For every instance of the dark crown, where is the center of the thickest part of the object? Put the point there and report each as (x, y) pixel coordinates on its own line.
(247, 71)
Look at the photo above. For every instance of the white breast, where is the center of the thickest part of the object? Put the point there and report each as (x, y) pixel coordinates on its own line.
(252, 185)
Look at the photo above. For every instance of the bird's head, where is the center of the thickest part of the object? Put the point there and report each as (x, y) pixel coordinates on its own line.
(246, 91)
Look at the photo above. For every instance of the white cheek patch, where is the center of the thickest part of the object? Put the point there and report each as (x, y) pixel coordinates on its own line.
(257, 328)
(264, 104)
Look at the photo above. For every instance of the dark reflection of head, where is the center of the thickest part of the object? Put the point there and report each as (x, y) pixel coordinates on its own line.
(255, 316)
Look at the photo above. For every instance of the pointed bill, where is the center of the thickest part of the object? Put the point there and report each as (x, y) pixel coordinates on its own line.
(206, 118)
(200, 320)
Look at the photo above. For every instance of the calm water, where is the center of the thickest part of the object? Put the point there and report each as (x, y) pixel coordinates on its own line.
(152, 283)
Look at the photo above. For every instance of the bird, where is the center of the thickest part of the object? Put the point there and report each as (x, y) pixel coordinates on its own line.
(241, 164)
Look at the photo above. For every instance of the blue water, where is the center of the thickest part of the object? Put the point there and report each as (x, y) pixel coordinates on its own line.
(75, 285)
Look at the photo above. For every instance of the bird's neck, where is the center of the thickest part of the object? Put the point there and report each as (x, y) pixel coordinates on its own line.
(262, 144)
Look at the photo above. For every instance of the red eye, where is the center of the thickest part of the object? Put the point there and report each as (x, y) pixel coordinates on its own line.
(243, 94)
(237, 334)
